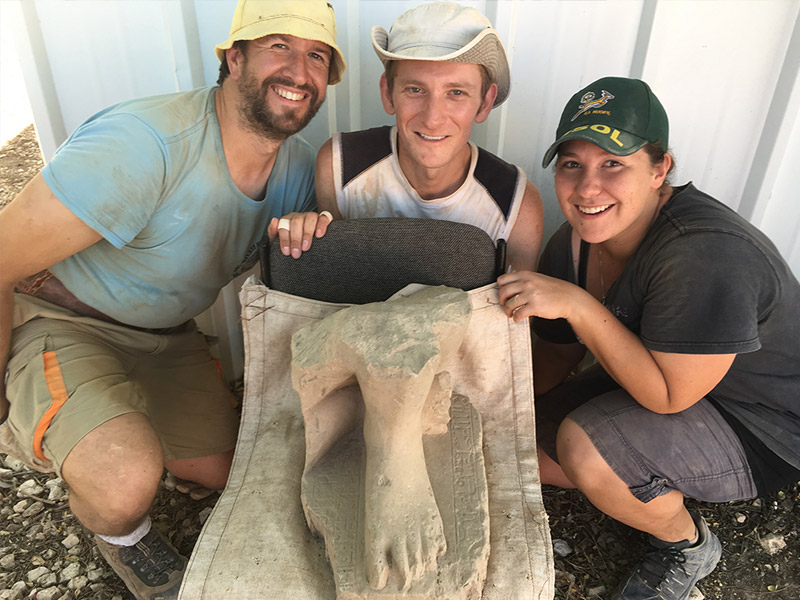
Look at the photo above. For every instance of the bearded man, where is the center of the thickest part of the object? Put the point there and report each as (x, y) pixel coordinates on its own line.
(144, 214)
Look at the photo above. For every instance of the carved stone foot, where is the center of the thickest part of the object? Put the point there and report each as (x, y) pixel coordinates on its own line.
(395, 353)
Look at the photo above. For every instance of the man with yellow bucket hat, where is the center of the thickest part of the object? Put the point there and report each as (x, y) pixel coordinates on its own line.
(148, 209)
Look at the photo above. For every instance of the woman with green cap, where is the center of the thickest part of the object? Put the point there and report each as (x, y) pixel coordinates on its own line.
(691, 315)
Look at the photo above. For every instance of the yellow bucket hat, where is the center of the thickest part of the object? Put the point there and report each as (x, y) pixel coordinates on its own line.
(307, 19)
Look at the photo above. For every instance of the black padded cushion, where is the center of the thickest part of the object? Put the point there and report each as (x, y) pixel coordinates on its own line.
(368, 260)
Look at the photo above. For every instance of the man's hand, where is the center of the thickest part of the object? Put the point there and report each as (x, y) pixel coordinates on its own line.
(297, 230)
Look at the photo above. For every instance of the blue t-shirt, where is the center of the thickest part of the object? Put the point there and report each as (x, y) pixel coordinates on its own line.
(150, 176)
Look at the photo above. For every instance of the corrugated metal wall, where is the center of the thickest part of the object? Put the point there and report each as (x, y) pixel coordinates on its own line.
(726, 71)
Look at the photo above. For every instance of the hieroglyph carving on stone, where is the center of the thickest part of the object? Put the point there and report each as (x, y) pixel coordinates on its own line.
(381, 365)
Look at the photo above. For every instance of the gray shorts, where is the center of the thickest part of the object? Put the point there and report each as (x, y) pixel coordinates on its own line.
(694, 451)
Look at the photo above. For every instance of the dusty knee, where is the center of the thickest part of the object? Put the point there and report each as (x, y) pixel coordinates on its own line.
(120, 497)
(116, 468)
(578, 457)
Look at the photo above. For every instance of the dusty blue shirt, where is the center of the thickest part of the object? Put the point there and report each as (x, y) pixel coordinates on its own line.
(150, 176)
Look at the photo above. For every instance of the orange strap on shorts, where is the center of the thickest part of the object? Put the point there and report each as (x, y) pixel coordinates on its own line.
(58, 393)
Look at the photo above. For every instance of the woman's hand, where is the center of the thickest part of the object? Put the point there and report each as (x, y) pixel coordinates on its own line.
(527, 294)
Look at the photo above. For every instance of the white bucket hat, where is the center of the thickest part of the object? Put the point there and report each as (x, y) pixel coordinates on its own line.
(446, 31)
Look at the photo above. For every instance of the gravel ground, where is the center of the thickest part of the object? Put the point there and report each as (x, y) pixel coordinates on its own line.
(46, 554)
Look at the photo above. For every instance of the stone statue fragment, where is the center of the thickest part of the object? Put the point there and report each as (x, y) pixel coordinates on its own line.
(399, 496)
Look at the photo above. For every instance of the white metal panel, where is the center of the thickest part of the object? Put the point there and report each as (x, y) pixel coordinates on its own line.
(94, 58)
(715, 66)
(779, 217)
(726, 70)
(558, 47)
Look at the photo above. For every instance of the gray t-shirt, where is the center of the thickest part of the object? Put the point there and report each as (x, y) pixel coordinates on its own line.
(705, 281)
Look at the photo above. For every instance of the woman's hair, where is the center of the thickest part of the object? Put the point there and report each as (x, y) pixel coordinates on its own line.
(656, 153)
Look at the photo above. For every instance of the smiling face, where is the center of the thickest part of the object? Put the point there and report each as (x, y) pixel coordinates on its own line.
(436, 105)
(606, 197)
(282, 82)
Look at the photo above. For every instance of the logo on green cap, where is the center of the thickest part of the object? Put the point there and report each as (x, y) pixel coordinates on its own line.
(588, 102)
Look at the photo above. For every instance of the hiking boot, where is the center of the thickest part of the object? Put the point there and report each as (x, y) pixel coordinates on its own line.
(670, 571)
(152, 569)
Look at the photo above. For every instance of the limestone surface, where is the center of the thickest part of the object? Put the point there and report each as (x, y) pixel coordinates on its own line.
(334, 501)
(382, 365)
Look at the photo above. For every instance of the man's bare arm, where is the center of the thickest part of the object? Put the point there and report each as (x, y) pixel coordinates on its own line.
(323, 181)
(36, 231)
(526, 236)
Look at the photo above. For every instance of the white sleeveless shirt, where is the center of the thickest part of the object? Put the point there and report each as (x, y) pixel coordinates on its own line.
(370, 183)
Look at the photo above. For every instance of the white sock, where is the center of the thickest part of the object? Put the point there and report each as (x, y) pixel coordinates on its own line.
(133, 538)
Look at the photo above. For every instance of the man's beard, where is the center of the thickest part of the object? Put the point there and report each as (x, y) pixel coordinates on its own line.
(256, 115)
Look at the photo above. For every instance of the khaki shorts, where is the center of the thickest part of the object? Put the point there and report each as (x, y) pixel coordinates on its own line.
(68, 374)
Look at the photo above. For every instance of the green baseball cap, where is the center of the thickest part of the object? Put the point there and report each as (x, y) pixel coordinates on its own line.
(618, 114)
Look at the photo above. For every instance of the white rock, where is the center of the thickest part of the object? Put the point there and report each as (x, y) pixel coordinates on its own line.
(56, 493)
(70, 571)
(95, 574)
(55, 481)
(6, 474)
(21, 506)
(11, 595)
(7, 562)
(598, 591)
(70, 541)
(78, 582)
(38, 561)
(29, 487)
(695, 594)
(772, 543)
(14, 464)
(33, 509)
(50, 593)
(48, 580)
(561, 548)
(33, 530)
(740, 518)
(34, 574)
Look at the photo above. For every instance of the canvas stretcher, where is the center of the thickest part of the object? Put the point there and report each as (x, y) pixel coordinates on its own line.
(256, 543)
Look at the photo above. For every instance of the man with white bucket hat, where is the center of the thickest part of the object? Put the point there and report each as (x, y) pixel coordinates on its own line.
(445, 69)
(143, 215)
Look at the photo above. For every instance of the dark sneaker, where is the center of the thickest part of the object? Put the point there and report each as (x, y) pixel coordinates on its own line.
(152, 569)
(670, 571)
